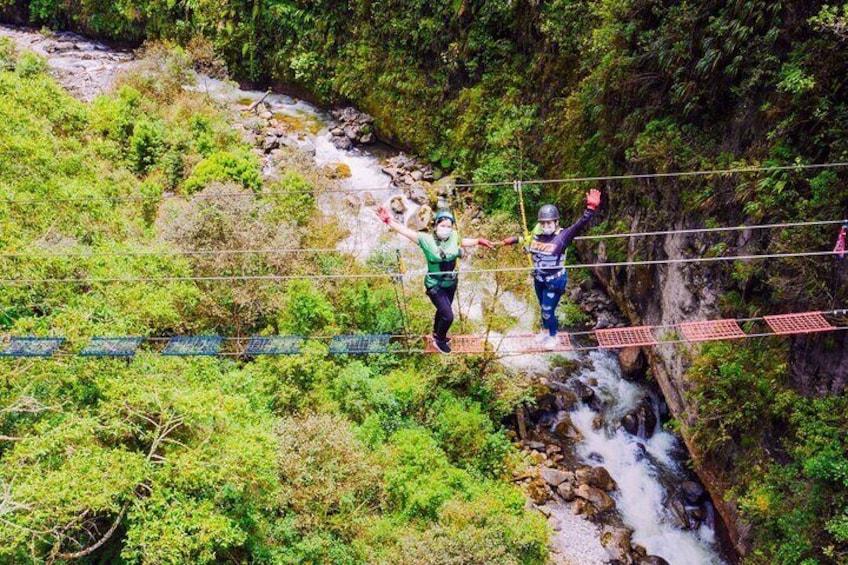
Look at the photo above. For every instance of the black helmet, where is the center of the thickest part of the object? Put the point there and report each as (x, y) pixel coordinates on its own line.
(548, 213)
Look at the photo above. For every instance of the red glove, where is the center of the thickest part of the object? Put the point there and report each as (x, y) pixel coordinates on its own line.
(485, 243)
(384, 215)
(510, 241)
(593, 199)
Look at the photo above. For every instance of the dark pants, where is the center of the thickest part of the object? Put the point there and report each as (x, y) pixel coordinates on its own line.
(549, 293)
(442, 299)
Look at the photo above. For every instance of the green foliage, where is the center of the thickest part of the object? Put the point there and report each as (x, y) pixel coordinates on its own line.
(282, 459)
(146, 145)
(307, 309)
(239, 167)
(735, 393)
(30, 64)
(8, 54)
(467, 436)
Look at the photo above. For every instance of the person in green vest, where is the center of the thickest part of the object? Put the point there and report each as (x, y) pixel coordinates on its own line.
(441, 248)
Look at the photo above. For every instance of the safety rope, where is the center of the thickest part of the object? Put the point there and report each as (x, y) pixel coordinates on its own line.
(402, 305)
(525, 230)
(377, 275)
(318, 250)
(354, 190)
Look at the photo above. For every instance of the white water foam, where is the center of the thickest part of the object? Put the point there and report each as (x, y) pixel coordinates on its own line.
(640, 497)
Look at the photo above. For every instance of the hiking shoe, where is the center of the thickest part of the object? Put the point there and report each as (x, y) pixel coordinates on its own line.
(551, 342)
(541, 337)
(441, 345)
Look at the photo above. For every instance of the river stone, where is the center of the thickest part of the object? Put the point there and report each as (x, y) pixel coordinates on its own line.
(653, 560)
(343, 143)
(564, 428)
(544, 511)
(418, 194)
(351, 132)
(536, 445)
(617, 543)
(369, 199)
(420, 219)
(554, 477)
(597, 477)
(598, 422)
(367, 139)
(417, 176)
(337, 131)
(642, 421)
(633, 363)
(692, 491)
(397, 206)
(566, 491)
(600, 501)
(566, 400)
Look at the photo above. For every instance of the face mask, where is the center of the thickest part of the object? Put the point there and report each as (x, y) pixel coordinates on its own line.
(444, 232)
(549, 229)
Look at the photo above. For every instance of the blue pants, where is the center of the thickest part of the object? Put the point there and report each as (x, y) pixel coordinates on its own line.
(549, 293)
(442, 299)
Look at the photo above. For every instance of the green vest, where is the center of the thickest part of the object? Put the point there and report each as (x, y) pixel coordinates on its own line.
(441, 257)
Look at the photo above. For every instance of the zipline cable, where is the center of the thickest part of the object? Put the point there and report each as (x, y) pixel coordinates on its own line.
(354, 190)
(374, 275)
(307, 250)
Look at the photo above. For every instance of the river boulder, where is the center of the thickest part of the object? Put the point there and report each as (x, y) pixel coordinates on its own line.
(599, 500)
(597, 477)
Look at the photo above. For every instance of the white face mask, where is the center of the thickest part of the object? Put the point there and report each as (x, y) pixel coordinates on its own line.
(548, 228)
(444, 232)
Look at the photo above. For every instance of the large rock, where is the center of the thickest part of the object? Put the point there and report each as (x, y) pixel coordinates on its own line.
(566, 491)
(653, 560)
(418, 194)
(601, 502)
(421, 219)
(617, 543)
(397, 206)
(633, 362)
(342, 142)
(555, 477)
(597, 477)
(564, 428)
(692, 492)
(642, 421)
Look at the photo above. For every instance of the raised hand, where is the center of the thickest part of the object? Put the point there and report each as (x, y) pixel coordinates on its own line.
(593, 199)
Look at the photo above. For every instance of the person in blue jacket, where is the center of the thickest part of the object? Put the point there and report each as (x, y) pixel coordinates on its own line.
(547, 246)
(441, 248)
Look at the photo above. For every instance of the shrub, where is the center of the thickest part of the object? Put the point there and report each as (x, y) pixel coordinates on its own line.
(307, 309)
(30, 64)
(240, 167)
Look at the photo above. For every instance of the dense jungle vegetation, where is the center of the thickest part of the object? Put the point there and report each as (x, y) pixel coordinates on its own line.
(494, 90)
(312, 458)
